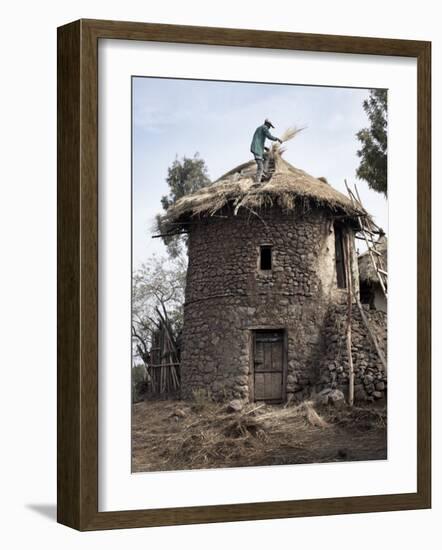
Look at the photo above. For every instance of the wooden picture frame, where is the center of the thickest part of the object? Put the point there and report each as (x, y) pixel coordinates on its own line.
(78, 274)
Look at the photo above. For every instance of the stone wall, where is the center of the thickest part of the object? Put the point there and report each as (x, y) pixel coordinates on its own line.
(370, 377)
(227, 297)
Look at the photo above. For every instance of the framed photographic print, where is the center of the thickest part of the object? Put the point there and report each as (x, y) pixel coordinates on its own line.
(243, 274)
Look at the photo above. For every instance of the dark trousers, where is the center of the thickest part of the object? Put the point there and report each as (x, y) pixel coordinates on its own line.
(262, 164)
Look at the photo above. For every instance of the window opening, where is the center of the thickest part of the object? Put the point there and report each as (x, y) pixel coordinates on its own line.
(265, 259)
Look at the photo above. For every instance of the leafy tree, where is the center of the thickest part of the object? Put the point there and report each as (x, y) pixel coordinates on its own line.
(185, 176)
(157, 294)
(373, 152)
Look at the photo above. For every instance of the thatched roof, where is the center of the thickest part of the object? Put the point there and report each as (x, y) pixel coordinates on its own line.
(367, 272)
(287, 188)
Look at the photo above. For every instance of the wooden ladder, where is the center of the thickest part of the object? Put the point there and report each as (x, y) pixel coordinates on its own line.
(367, 230)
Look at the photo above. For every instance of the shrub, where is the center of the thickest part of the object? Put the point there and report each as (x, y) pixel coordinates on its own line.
(139, 384)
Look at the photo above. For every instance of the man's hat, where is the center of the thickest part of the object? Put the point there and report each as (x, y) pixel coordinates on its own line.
(267, 121)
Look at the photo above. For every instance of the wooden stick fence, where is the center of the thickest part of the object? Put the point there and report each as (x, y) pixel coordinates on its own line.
(164, 369)
(164, 378)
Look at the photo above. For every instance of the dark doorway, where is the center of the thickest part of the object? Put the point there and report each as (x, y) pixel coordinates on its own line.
(340, 256)
(268, 365)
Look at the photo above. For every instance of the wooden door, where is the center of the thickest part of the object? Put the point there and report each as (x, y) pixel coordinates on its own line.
(268, 365)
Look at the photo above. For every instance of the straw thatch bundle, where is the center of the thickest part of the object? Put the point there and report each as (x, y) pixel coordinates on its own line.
(367, 272)
(287, 188)
(290, 133)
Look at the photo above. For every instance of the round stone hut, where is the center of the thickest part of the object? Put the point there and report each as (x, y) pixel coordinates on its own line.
(266, 263)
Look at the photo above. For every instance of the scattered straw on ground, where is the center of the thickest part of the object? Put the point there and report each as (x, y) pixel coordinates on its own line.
(171, 435)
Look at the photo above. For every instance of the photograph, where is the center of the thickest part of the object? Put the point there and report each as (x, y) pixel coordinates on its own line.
(259, 274)
(218, 245)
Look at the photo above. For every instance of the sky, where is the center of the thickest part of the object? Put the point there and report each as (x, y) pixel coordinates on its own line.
(175, 118)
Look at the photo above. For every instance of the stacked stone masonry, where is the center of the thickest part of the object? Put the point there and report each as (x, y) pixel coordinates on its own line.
(370, 376)
(228, 296)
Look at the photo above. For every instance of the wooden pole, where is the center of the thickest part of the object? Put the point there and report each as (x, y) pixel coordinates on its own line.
(365, 227)
(349, 274)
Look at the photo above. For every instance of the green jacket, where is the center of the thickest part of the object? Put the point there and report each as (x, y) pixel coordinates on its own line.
(259, 137)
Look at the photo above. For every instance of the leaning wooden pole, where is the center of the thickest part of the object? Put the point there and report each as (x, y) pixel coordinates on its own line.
(348, 272)
(372, 336)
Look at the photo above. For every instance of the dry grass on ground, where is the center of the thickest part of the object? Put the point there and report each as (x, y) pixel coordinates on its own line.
(177, 435)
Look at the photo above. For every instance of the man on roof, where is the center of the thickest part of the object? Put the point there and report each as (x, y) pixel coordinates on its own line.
(260, 152)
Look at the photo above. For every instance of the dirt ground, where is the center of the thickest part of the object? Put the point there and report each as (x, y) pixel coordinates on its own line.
(177, 435)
